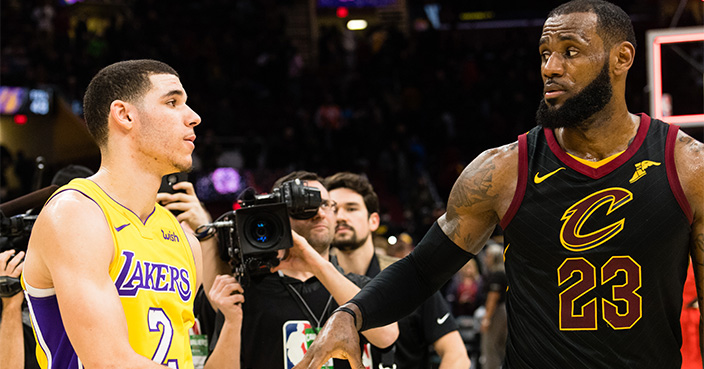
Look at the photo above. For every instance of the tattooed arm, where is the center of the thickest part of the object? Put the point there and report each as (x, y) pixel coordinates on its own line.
(478, 200)
(689, 158)
(480, 197)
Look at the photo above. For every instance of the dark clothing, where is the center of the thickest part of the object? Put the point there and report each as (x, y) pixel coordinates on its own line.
(279, 315)
(596, 257)
(496, 282)
(417, 331)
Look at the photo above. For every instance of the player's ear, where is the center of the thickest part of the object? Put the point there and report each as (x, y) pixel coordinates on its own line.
(621, 57)
(121, 113)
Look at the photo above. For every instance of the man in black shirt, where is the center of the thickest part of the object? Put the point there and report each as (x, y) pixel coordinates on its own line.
(601, 210)
(430, 324)
(283, 311)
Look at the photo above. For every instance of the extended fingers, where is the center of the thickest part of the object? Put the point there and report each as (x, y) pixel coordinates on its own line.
(14, 266)
(4, 257)
(185, 186)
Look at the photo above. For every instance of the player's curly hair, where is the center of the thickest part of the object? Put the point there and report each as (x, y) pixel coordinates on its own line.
(613, 24)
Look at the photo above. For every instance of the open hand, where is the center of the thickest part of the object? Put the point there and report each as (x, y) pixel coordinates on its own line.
(338, 339)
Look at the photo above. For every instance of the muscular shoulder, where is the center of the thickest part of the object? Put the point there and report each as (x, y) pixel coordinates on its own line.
(481, 196)
(689, 158)
(488, 182)
(67, 211)
(70, 230)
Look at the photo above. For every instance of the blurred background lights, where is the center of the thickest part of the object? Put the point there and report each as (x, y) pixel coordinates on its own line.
(356, 24)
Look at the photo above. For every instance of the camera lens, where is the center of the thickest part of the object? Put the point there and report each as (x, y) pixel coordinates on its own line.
(263, 231)
(172, 179)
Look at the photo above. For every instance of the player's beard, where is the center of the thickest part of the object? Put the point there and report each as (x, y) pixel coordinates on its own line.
(579, 107)
(349, 244)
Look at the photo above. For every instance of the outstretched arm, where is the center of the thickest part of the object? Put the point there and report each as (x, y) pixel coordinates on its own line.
(303, 258)
(478, 200)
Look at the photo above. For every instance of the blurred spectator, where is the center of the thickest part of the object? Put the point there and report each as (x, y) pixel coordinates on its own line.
(429, 97)
(465, 293)
(494, 327)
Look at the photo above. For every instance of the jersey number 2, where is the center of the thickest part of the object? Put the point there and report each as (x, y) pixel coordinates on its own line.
(159, 322)
(584, 317)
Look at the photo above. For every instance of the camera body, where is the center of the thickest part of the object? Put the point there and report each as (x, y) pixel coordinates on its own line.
(251, 237)
(15, 231)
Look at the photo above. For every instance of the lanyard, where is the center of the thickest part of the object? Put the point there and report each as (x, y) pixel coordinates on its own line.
(301, 302)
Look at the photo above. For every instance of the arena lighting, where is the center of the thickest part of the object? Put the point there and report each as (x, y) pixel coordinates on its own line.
(342, 12)
(20, 119)
(392, 240)
(656, 38)
(356, 24)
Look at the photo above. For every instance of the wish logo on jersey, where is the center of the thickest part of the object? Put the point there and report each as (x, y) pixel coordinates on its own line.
(299, 335)
(136, 275)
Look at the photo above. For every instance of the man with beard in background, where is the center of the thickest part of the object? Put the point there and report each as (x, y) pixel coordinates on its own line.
(600, 208)
(431, 323)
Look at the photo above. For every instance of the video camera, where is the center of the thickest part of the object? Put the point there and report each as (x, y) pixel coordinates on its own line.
(249, 238)
(15, 231)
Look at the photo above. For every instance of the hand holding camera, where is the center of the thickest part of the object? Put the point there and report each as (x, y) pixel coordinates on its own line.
(11, 266)
(302, 257)
(227, 296)
(180, 198)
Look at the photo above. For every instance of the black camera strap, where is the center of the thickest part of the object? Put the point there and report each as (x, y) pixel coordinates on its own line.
(303, 305)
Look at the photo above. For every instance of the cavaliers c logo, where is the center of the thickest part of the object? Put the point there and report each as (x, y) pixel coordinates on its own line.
(577, 215)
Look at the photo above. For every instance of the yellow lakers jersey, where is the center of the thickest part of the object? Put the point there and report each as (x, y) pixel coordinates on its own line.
(154, 273)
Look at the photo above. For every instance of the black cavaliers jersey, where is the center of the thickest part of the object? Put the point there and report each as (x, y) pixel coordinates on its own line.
(596, 258)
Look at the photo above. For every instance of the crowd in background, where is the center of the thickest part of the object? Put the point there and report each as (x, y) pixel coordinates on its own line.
(409, 110)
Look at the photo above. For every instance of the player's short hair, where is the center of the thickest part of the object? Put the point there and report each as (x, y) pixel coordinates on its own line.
(613, 24)
(127, 81)
(303, 175)
(357, 183)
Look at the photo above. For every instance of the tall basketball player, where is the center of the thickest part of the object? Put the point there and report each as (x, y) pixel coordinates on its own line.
(601, 209)
(110, 275)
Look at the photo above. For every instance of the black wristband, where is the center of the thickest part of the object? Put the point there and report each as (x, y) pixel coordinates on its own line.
(348, 311)
(410, 281)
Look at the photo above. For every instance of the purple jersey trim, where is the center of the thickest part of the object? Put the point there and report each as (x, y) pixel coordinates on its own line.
(106, 194)
(126, 208)
(51, 334)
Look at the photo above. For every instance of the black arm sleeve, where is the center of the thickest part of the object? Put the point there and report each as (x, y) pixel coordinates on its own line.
(404, 285)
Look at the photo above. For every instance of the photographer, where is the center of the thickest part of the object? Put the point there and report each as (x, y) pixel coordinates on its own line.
(16, 340)
(285, 309)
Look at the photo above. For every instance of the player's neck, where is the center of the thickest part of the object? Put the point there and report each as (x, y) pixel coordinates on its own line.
(602, 136)
(130, 185)
(357, 261)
